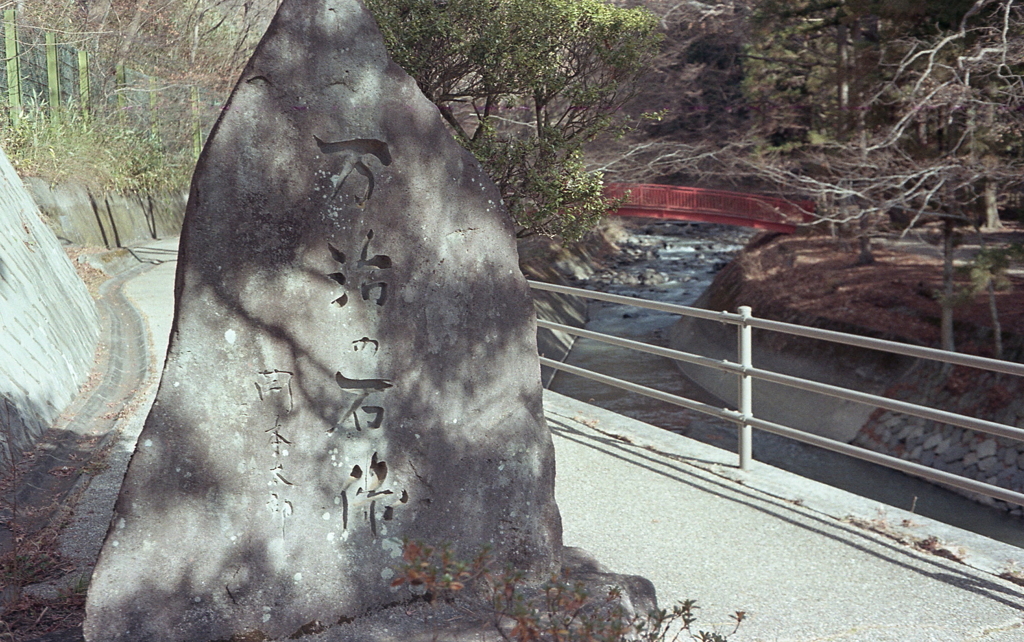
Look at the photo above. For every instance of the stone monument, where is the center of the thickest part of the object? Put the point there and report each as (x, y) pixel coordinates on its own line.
(352, 360)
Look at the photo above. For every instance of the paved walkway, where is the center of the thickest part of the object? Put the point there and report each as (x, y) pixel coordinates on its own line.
(645, 501)
(90, 424)
(771, 544)
(149, 290)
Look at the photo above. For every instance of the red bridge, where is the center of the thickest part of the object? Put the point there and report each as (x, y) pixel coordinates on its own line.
(711, 206)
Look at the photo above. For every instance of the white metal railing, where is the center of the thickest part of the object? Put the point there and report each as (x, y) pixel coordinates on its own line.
(746, 372)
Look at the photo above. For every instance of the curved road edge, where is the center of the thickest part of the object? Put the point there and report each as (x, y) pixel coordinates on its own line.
(105, 420)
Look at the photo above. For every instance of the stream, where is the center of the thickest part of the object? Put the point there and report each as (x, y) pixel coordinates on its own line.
(675, 263)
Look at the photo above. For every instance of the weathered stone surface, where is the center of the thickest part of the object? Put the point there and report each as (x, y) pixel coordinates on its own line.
(353, 359)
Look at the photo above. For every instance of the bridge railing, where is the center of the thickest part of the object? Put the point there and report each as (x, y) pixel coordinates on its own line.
(746, 372)
(693, 199)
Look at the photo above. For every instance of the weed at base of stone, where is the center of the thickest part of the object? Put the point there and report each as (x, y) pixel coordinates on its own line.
(558, 610)
(33, 562)
(29, 559)
(32, 618)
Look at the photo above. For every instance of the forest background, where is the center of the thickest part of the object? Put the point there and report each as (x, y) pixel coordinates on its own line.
(885, 113)
(869, 107)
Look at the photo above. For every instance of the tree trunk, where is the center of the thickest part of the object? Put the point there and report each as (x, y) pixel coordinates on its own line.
(866, 256)
(96, 20)
(132, 32)
(97, 12)
(844, 236)
(997, 329)
(946, 300)
(843, 89)
(992, 221)
(993, 309)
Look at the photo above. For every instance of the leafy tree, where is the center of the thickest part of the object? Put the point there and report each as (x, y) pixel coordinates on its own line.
(525, 85)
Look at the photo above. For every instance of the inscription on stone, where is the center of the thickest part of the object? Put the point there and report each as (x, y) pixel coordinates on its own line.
(353, 152)
(271, 382)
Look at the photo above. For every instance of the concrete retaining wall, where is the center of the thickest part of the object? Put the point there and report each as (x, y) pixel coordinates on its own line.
(48, 321)
(82, 217)
(543, 259)
(856, 368)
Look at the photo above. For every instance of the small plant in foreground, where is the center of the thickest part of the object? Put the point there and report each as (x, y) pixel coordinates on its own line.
(559, 610)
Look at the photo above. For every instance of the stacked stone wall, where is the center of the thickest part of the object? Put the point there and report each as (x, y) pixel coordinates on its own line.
(986, 395)
(48, 321)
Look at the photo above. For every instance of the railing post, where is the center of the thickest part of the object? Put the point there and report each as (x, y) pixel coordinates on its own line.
(197, 128)
(13, 68)
(745, 401)
(53, 75)
(120, 87)
(154, 128)
(84, 95)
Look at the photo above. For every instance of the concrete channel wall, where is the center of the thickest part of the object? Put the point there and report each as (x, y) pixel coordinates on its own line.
(542, 259)
(48, 321)
(82, 216)
(845, 366)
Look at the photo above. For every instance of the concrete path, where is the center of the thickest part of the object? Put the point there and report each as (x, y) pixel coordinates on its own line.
(152, 292)
(123, 371)
(137, 307)
(785, 550)
(776, 546)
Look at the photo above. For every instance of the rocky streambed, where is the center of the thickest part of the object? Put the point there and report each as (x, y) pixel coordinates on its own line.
(669, 260)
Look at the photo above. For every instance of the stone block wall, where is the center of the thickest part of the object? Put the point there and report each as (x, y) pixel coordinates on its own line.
(83, 217)
(48, 321)
(991, 396)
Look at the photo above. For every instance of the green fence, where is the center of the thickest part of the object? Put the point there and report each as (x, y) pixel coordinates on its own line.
(43, 73)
